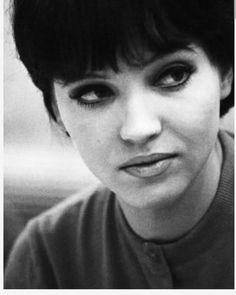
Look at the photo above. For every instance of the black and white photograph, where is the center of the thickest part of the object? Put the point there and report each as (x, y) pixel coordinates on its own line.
(118, 144)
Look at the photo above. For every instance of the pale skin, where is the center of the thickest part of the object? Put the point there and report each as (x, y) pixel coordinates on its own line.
(169, 105)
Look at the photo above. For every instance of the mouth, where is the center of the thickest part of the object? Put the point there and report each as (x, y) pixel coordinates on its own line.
(148, 166)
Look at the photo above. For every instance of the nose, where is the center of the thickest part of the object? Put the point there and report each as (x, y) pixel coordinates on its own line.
(141, 121)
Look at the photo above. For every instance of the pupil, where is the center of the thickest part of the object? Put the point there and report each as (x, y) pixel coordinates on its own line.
(101, 91)
(178, 75)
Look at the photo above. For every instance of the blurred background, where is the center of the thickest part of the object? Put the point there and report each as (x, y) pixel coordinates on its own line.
(40, 165)
(39, 158)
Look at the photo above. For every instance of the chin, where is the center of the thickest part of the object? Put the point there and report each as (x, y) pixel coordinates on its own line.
(159, 198)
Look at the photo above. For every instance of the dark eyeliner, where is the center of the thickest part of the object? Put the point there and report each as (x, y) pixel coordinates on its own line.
(102, 91)
(81, 90)
(188, 68)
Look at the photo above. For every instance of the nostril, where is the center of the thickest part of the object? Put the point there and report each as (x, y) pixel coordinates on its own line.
(140, 134)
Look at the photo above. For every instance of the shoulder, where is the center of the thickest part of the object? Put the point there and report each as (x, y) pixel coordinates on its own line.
(71, 216)
(74, 211)
(67, 230)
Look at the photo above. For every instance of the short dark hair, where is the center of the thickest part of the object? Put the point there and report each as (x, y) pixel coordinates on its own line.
(60, 39)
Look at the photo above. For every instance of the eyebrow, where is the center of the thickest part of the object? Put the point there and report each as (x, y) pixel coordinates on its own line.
(90, 75)
(162, 55)
(144, 63)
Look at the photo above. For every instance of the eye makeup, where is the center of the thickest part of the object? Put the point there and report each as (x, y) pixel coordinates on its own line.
(170, 74)
(173, 76)
(92, 94)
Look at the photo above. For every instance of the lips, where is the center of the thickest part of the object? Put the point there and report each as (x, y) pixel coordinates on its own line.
(148, 166)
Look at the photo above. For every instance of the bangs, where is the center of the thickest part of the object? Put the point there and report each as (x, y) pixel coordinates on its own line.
(66, 38)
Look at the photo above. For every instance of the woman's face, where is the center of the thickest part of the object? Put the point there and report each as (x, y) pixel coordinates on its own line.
(146, 132)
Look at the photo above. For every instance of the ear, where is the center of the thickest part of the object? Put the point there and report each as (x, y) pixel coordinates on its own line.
(226, 83)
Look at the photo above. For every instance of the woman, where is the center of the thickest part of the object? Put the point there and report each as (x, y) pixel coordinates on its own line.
(139, 86)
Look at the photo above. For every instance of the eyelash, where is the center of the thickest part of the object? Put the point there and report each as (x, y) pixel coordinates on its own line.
(91, 88)
(186, 69)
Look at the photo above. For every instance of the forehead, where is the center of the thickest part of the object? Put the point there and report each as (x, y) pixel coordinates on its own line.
(147, 59)
(134, 45)
(63, 39)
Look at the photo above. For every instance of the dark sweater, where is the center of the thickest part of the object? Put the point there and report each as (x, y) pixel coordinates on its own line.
(88, 244)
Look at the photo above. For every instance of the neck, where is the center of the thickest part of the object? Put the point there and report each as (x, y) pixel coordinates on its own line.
(168, 224)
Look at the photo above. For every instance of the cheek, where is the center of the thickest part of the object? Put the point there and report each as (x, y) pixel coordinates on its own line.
(198, 112)
(92, 132)
(84, 129)
(94, 138)
(88, 139)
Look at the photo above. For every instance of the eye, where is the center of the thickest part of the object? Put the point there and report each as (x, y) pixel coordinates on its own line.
(91, 94)
(174, 77)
